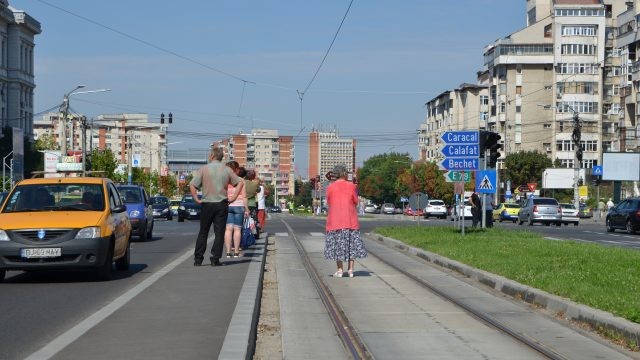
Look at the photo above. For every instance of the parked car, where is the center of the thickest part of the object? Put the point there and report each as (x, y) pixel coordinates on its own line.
(189, 208)
(173, 206)
(585, 211)
(160, 206)
(435, 208)
(388, 208)
(625, 215)
(140, 212)
(569, 214)
(540, 209)
(372, 209)
(466, 212)
(64, 223)
(274, 209)
(506, 211)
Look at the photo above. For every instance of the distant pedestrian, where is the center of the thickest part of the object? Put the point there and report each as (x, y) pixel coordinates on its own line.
(343, 242)
(610, 204)
(261, 198)
(212, 179)
(602, 208)
(476, 209)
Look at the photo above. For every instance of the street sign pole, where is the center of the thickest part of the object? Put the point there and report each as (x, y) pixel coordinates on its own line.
(484, 196)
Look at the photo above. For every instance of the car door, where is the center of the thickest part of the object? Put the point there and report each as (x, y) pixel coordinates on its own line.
(618, 214)
(148, 209)
(119, 221)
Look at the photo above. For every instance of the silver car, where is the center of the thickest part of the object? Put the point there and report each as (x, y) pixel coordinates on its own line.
(570, 214)
(542, 210)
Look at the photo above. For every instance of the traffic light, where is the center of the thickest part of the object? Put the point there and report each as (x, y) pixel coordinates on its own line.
(489, 141)
(170, 118)
(162, 118)
(596, 181)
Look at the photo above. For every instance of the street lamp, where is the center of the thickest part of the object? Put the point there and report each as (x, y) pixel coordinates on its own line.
(63, 124)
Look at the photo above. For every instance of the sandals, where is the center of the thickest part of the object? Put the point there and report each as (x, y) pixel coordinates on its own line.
(350, 273)
(337, 273)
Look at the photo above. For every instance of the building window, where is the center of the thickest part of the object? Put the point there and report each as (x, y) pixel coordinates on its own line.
(577, 68)
(547, 31)
(579, 49)
(579, 30)
(518, 90)
(518, 109)
(484, 100)
(564, 145)
(503, 107)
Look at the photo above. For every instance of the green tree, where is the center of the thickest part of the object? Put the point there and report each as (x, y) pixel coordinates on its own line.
(47, 142)
(106, 162)
(33, 159)
(526, 167)
(378, 177)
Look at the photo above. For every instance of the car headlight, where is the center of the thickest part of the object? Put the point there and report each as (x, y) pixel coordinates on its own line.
(88, 233)
(181, 207)
(134, 213)
(4, 236)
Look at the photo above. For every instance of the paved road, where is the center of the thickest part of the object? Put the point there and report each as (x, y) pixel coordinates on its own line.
(184, 305)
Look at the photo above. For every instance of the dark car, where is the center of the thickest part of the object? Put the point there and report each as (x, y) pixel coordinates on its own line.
(189, 208)
(160, 206)
(139, 210)
(274, 209)
(626, 216)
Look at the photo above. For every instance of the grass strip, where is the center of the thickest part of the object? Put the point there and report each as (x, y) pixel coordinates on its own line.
(606, 278)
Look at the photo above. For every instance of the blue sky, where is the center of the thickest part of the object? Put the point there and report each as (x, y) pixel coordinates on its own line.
(193, 58)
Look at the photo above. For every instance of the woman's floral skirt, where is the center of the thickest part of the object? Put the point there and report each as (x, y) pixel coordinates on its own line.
(344, 245)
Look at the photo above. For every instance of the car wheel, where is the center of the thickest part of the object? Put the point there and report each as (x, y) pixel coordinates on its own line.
(530, 220)
(180, 218)
(105, 271)
(520, 222)
(630, 228)
(547, 224)
(123, 263)
(149, 235)
(2, 275)
(610, 227)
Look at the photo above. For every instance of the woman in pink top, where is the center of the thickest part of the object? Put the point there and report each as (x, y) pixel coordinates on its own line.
(343, 242)
(238, 210)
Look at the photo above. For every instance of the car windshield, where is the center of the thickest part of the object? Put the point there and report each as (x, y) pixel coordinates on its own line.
(568, 206)
(436, 202)
(55, 197)
(175, 202)
(159, 200)
(512, 206)
(130, 195)
(543, 201)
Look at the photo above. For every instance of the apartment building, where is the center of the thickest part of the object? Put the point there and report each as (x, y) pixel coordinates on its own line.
(625, 132)
(563, 62)
(327, 149)
(17, 75)
(272, 156)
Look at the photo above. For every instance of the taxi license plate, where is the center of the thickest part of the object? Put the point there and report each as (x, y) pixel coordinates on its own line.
(40, 253)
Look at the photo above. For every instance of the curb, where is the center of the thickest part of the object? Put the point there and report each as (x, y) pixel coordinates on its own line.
(568, 309)
(240, 340)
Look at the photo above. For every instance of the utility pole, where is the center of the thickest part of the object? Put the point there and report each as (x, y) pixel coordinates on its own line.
(83, 123)
(63, 123)
(575, 136)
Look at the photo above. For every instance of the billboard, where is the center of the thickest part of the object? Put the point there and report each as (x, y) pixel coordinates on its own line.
(560, 178)
(621, 166)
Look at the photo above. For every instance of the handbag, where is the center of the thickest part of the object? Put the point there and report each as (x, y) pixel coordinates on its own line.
(247, 239)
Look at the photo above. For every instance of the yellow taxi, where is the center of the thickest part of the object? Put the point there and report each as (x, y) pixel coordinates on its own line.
(506, 211)
(64, 223)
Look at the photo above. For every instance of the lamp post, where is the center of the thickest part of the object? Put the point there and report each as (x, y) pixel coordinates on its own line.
(63, 123)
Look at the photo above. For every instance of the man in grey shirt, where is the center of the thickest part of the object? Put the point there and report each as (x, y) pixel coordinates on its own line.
(213, 179)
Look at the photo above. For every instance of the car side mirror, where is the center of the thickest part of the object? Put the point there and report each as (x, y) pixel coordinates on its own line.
(119, 209)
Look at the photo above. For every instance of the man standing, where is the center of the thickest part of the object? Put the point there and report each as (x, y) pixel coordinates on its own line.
(488, 210)
(213, 179)
(476, 210)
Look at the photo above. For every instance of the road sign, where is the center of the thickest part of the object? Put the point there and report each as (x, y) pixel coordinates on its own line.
(523, 188)
(597, 170)
(135, 160)
(532, 186)
(460, 137)
(464, 150)
(454, 176)
(486, 181)
(467, 163)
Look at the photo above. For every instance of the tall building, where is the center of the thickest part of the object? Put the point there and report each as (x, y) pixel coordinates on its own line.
(17, 82)
(327, 149)
(564, 63)
(272, 156)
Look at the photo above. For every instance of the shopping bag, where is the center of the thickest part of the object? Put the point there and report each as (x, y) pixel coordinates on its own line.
(252, 225)
(247, 239)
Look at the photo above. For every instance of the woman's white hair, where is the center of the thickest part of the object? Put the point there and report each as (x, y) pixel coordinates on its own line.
(340, 171)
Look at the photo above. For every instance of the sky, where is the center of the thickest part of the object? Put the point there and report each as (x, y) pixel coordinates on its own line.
(227, 66)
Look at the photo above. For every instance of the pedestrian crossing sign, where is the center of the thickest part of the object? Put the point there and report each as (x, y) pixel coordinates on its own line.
(486, 181)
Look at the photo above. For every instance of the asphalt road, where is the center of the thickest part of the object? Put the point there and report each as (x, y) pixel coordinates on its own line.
(39, 306)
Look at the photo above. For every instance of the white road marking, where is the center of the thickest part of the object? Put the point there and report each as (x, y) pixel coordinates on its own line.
(71, 335)
(282, 234)
(316, 234)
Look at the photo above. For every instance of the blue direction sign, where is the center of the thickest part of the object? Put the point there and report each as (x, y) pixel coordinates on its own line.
(467, 163)
(463, 150)
(597, 170)
(460, 137)
(486, 181)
